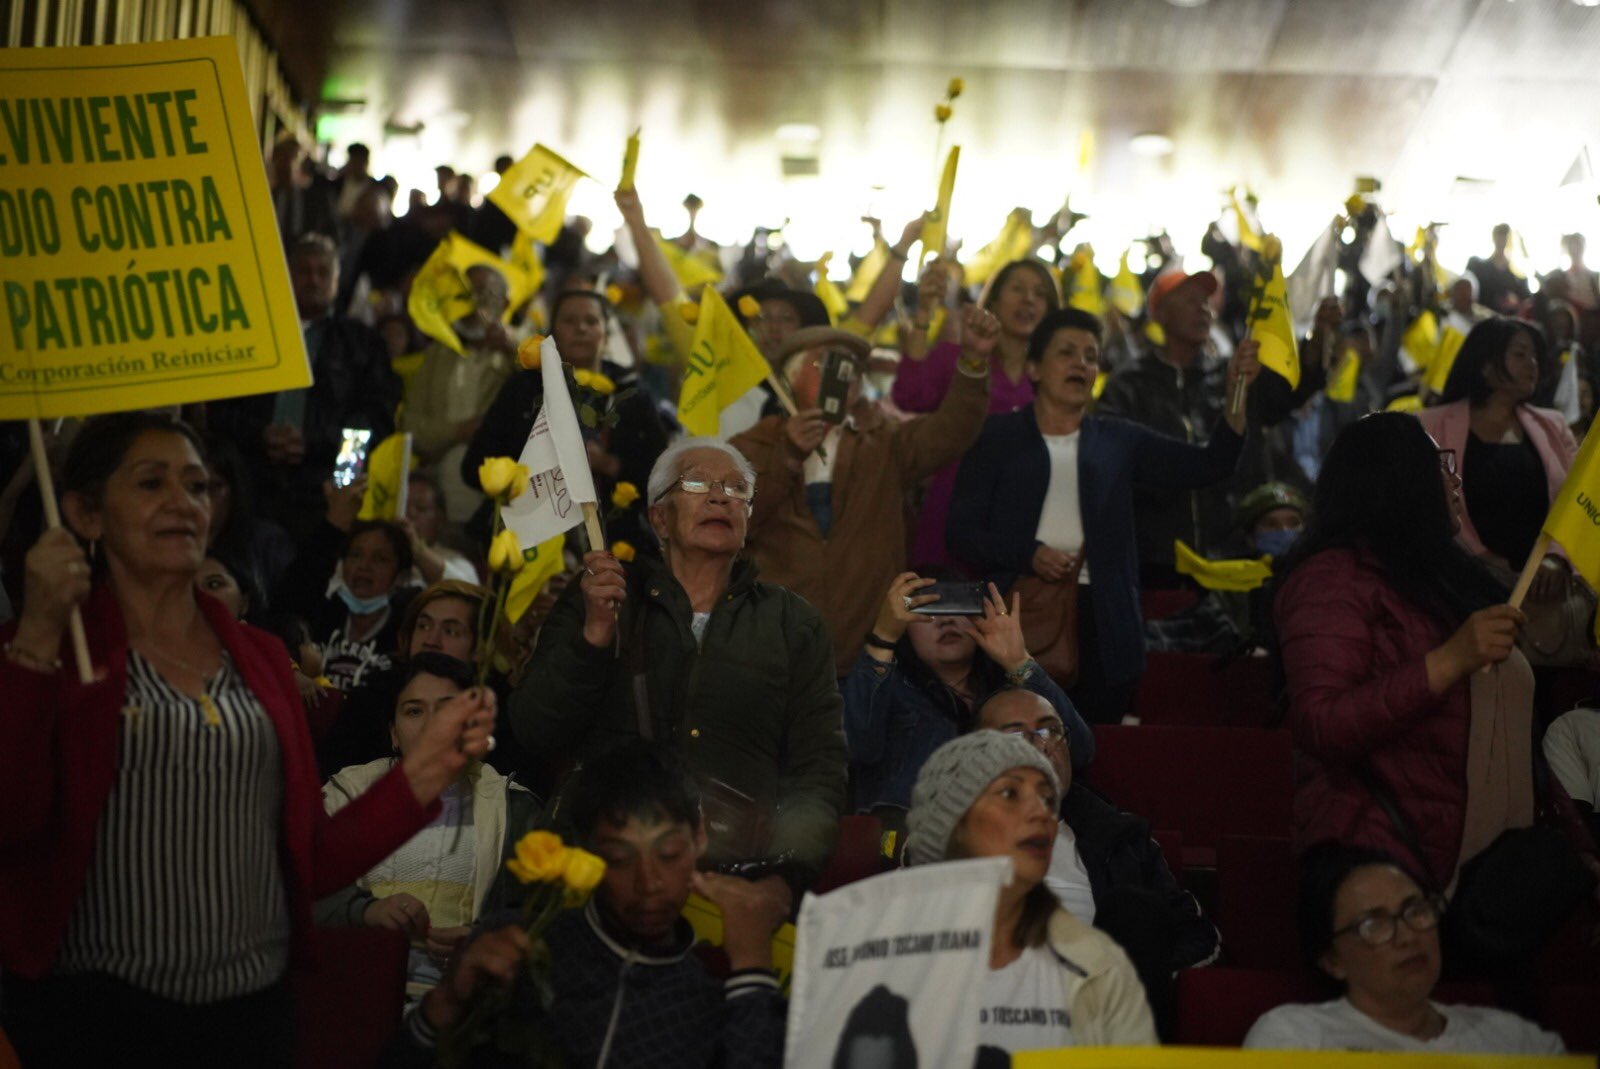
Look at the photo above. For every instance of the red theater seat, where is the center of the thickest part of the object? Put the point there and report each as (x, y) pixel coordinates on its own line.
(1256, 888)
(1194, 688)
(1574, 1012)
(349, 1006)
(1160, 604)
(1203, 782)
(857, 855)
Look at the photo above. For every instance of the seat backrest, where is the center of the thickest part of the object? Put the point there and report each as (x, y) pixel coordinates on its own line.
(349, 1005)
(1192, 688)
(1204, 782)
(1256, 888)
(1216, 1006)
(1570, 1009)
(857, 854)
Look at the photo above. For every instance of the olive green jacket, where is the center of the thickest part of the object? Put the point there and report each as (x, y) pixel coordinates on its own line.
(755, 707)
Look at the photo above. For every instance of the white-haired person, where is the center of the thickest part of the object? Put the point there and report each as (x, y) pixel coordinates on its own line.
(694, 650)
(990, 794)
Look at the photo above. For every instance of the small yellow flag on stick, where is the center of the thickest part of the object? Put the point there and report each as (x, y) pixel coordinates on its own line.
(1125, 292)
(388, 468)
(690, 269)
(1271, 325)
(1014, 242)
(1233, 576)
(867, 272)
(936, 230)
(539, 564)
(630, 161)
(827, 290)
(1438, 373)
(1085, 283)
(723, 366)
(1573, 522)
(440, 294)
(1420, 342)
(1248, 237)
(534, 193)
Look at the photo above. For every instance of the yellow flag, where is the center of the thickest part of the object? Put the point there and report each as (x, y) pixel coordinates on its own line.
(690, 269)
(440, 294)
(867, 272)
(1233, 576)
(1405, 403)
(1574, 519)
(1420, 341)
(539, 564)
(630, 161)
(1344, 378)
(1100, 380)
(534, 193)
(1085, 283)
(1125, 292)
(705, 917)
(1273, 328)
(723, 366)
(387, 469)
(827, 291)
(525, 257)
(1438, 373)
(520, 284)
(936, 230)
(1014, 242)
(1248, 237)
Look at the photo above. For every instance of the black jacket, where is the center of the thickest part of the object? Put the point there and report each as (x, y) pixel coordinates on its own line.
(1117, 851)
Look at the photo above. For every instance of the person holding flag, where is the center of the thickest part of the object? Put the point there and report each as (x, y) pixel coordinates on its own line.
(736, 674)
(1510, 455)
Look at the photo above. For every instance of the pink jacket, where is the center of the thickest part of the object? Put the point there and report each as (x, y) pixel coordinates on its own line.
(1545, 428)
(1353, 652)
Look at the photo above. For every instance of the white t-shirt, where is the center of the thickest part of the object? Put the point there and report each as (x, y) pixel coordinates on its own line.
(1338, 1025)
(1061, 519)
(1024, 1005)
(1067, 879)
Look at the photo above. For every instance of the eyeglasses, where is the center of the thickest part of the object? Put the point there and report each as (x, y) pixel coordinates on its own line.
(1050, 734)
(1421, 914)
(1447, 461)
(739, 491)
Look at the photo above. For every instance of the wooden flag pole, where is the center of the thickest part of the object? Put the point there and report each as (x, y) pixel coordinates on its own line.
(1529, 570)
(1236, 405)
(591, 527)
(52, 516)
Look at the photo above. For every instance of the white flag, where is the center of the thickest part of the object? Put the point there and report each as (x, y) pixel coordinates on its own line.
(556, 461)
(894, 958)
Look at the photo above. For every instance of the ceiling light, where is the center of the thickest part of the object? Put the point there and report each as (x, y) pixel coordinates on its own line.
(799, 131)
(1187, 3)
(1587, 3)
(1150, 144)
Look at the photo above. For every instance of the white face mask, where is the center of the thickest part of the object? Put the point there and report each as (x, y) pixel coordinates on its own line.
(363, 606)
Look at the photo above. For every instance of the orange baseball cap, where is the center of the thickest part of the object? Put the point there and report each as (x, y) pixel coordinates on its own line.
(1168, 282)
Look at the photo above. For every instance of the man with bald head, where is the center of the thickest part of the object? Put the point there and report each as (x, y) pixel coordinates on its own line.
(1105, 868)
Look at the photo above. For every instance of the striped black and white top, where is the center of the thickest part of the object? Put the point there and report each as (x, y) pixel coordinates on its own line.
(185, 893)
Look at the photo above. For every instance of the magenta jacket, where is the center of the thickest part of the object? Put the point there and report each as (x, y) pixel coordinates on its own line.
(58, 761)
(919, 386)
(1545, 428)
(1353, 654)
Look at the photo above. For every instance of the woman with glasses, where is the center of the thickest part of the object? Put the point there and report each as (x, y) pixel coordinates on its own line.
(1384, 625)
(1511, 456)
(693, 650)
(920, 679)
(1372, 930)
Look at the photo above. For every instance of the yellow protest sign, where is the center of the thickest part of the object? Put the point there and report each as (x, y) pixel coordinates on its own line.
(140, 262)
(1229, 1058)
(534, 193)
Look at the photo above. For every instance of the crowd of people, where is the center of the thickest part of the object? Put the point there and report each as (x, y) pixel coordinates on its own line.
(913, 589)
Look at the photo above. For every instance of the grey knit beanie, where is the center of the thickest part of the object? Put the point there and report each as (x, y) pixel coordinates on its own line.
(953, 778)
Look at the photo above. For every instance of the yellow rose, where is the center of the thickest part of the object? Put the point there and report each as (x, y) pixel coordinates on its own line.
(623, 551)
(942, 112)
(583, 376)
(601, 383)
(541, 857)
(505, 553)
(624, 495)
(614, 293)
(497, 474)
(955, 87)
(689, 312)
(528, 353)
(749, 307)
(584, 871)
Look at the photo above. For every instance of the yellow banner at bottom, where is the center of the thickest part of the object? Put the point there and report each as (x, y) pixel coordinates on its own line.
(1230, 1058)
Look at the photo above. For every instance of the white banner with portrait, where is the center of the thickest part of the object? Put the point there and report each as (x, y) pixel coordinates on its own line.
(886, 969)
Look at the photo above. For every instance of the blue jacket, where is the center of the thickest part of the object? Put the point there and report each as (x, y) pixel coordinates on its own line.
(1000, 492)
(892, 726)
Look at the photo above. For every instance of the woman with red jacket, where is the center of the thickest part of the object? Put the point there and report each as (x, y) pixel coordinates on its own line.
(162, 836)
(1384, 621)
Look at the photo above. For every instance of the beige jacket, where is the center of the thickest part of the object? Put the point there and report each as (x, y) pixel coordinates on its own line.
(1104, 996)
